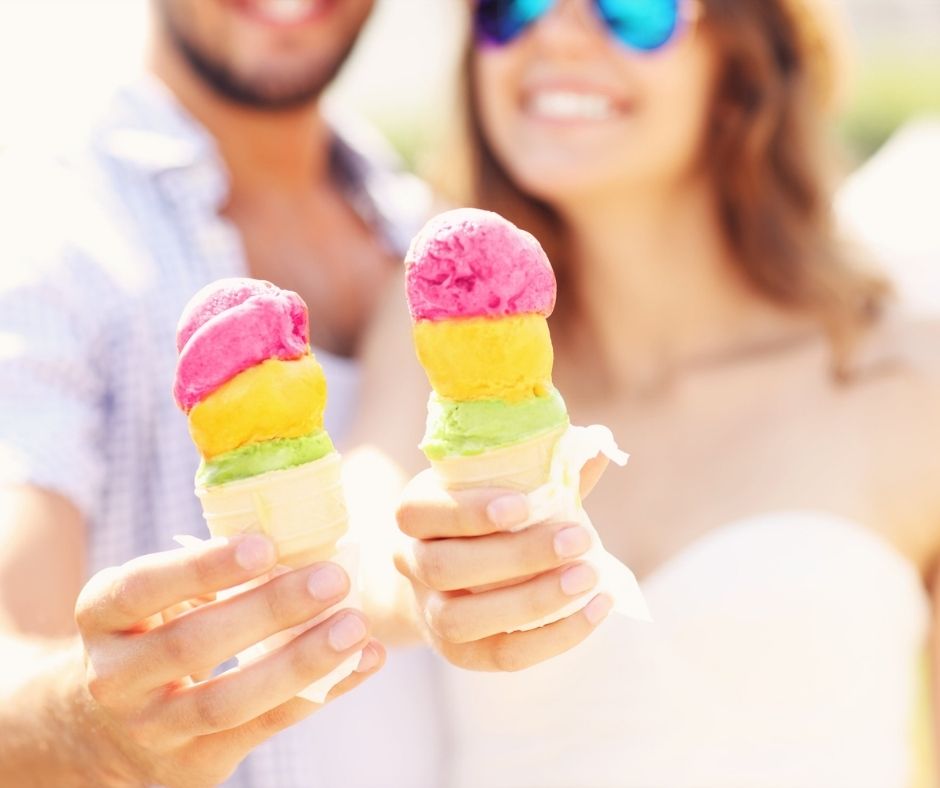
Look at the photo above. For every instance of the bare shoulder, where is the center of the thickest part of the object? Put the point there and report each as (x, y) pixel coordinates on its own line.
(906, 352)
(900, 411)
(905, 376)
(919, 340)
(920, 344)
(918, 351)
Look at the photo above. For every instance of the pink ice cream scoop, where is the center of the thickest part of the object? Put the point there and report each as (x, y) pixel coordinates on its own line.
(473, 263)
(231, 325)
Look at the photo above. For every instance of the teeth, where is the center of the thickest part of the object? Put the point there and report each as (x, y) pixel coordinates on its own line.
(286, 10)
(569, 105)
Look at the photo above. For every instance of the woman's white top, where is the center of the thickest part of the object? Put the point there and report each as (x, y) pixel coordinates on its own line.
(787, 650)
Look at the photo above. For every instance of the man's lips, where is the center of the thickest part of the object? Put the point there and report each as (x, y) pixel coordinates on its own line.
(282, 13)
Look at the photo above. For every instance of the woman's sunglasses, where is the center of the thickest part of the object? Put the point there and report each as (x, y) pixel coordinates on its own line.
(644, 25)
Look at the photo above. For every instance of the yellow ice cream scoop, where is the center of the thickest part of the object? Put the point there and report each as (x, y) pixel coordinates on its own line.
(507, 358)
(274, 399)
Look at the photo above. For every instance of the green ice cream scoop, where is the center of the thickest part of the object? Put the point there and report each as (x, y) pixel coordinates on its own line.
(467, 427)
(254, 459)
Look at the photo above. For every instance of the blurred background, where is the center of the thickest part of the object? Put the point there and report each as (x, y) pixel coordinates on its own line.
(897, 54)
(55, 55)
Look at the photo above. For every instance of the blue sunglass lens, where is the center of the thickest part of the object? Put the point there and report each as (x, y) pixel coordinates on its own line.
(641, 24)
(500, 21)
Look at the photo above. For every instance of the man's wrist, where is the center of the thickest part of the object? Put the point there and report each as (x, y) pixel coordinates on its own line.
(51, 732)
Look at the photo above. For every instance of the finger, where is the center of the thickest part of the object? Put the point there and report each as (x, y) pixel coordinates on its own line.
(184, 607)
(120, 598)
(251, 734)
(371, 662)
(591, 473)
(452, 564)
(201, 675)
(467, 617)
(520, 650)
(207, 636)
(239, 695)
(428, 511)
(174, 612)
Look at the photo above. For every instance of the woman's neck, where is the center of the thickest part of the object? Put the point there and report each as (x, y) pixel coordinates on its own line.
(657, 289)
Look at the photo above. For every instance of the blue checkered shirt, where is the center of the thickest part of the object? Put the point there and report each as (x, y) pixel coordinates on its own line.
(101, 245)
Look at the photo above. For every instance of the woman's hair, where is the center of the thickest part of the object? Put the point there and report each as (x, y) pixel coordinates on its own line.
(768, 155)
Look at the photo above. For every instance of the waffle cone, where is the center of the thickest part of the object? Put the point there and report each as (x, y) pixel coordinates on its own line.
(523, 466)
(301, 509)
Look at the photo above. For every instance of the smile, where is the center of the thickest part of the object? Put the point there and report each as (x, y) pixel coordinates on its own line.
(571, 105)
(282, 12)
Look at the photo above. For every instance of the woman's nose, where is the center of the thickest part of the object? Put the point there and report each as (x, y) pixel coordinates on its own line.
(571, 26)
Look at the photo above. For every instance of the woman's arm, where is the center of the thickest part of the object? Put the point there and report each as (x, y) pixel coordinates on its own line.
(923, 348)
(380, 458)
(928, 744)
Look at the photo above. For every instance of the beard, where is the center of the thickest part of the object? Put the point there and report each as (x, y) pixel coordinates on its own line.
(269, 92)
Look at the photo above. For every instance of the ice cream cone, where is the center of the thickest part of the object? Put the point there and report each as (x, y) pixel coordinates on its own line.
(480, 292)
(523, 466)
(301, 509)
(254, 396)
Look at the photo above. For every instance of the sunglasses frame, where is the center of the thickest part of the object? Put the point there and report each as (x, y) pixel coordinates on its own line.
(688, 15)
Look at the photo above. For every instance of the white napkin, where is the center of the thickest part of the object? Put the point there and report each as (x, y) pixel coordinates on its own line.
(347, 556)
(559, 500)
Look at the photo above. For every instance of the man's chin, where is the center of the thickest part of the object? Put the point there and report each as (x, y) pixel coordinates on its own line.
(265, 92)
(268, 92)
(271, 95)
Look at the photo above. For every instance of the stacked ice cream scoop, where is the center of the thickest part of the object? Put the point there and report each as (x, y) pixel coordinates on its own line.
(480, 290)
(255, 396)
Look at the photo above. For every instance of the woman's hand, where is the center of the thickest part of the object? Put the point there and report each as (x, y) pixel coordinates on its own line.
(141, 659)
(475, 581)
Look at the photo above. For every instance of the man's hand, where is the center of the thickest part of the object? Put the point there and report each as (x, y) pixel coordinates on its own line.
(475, 581)
(149, 633)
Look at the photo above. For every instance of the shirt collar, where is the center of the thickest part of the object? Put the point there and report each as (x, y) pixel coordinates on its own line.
(149, 130)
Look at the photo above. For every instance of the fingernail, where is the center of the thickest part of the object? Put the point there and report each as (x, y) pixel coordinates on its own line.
(326, 582)
(598, 608)
(573, 541)
(508, 510)
(254, 552)
(368, 660)
(578, 579)
(346, 632)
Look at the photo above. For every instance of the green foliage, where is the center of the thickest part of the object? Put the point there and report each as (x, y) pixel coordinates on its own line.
(890, 88)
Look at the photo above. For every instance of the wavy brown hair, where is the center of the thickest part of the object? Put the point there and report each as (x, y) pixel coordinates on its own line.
(770, 160)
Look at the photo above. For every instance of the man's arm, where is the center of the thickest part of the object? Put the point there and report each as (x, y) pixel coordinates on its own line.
(118, 704)
(42, 557)
(42, 563)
